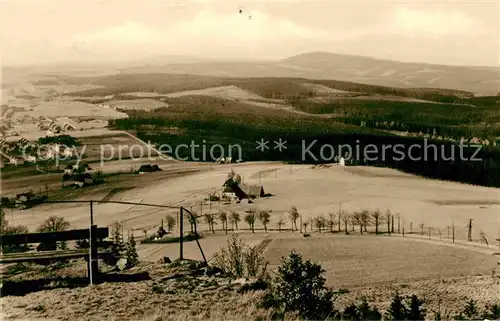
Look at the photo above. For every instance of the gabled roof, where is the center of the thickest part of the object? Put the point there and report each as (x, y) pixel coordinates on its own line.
(242, 190)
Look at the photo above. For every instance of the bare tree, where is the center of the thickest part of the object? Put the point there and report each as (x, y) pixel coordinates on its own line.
(170, 220)
(388, 216)
(339, 218)
(54, 224)
(357, 218)
(345, 219)
(294, 215)
(319, 222)
(331, 221)
(250, 218)
(365, 218)
(305, 224)
(193, 220)
(376, 217)
(223, 219)
(234, 218)
(210, 220)
(280, 224)
(264, 218)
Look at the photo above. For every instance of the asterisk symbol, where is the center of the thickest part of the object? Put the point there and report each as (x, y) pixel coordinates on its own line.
(280, 145)
(262, 145)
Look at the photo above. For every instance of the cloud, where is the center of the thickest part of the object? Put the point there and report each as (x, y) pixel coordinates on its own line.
(207, 30)
(413, 22)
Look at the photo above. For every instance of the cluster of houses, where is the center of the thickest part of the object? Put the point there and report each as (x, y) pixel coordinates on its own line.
(24, 151)
(79, 175)
(23, 200)
(56, 126)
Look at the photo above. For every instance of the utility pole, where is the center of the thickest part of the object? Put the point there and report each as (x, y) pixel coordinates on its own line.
(181, 234)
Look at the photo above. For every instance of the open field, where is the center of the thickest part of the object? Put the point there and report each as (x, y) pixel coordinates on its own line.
(311, 190)
(314, 191)
(352, 261)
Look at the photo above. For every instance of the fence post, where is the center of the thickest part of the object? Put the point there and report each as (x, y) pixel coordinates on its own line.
(469, 234)
(89, 259)
(453, 232)
(181, 234)
(94, 266)
(429, 232)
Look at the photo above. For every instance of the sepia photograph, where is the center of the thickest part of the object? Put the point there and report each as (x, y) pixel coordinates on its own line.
(255, 160)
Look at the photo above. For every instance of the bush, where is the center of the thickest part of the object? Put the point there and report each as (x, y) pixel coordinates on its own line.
(17, 229)
(492, 312)
(361, 311)
(255, 264)
(300, 287)
(470, 311)
(131, 252)
(231, 259)
(412, 309)
(239, 260)
(397, 309)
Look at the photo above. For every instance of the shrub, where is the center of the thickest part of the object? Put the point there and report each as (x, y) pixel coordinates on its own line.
(231, 259)
(397, 309)
(300, 287)
(239, 260)
(255, 264)
(469, 312)
(17, 229)
(131, 252)
(361, 311)
(170, 221)
(492, 312)
(118, 246)
(412, 309)
(415, 309)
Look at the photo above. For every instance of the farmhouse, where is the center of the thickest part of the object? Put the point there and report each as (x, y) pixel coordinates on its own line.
(81, 180)
(233, 190)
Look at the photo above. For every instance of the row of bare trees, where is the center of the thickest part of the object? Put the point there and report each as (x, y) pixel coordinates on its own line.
(385, 222)
(334, 222)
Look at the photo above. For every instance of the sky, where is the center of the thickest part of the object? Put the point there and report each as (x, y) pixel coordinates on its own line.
(441, 32)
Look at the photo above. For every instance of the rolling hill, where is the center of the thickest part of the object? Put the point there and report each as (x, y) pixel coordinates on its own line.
(322, 65)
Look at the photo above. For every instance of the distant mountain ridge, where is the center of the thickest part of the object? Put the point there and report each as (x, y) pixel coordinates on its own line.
(324, 65)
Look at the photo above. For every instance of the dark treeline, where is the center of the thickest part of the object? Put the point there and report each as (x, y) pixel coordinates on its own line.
(268, 87)
(440, 119)
(413, 155)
